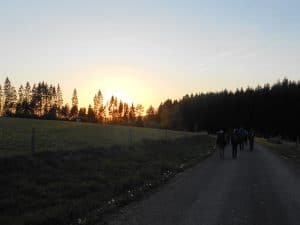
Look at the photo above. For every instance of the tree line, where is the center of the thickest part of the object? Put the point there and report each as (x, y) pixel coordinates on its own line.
(45, 101)
(269, 109)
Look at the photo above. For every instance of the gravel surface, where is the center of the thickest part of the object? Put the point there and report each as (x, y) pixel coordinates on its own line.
(259, 188)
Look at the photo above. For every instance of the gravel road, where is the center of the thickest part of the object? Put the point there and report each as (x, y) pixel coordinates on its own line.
(259, 188)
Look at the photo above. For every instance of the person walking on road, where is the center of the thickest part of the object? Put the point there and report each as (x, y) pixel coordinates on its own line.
(242, 138)
(221, 143)
(234, 143)
(251, 140)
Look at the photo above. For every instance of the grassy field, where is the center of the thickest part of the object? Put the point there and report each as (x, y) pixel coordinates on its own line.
(15, 135)
(92, 174)
(287, 150)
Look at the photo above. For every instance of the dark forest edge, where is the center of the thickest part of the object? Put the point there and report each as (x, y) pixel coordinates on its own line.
(269, 109)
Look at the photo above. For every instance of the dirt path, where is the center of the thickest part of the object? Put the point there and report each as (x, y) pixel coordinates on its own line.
(258, 188)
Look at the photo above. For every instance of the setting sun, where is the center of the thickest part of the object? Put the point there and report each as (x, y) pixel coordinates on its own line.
(127, 83)
(122, 96)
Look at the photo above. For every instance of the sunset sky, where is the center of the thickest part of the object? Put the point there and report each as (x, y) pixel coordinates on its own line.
(147, 51)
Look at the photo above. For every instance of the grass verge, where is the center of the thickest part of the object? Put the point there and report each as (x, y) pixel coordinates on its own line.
(288, 151)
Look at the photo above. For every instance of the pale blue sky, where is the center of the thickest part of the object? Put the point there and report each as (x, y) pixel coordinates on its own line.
(147, 51)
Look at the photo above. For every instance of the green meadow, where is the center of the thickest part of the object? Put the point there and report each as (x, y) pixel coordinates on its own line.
(16, 135)
(83, 171)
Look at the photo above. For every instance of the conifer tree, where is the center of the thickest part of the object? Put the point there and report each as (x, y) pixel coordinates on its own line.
(27, 93)
(7, 91)
(91, 115)
(82, 114)
(59, 97)
(1, 100)
(132, 113)
(111, 107)
(98, 105)
(120, 110)
(65, 111)
(125, 112)
(139, 110)
(21, 94)
(74, 109)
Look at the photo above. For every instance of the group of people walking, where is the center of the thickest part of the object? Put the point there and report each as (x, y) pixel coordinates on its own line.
(238, 138)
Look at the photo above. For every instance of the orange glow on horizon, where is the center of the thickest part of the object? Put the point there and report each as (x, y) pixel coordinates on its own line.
(124, 82)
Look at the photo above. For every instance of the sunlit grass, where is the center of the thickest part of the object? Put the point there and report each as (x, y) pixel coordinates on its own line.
(15, 135)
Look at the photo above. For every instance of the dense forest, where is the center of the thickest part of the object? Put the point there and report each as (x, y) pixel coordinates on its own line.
(269, 109)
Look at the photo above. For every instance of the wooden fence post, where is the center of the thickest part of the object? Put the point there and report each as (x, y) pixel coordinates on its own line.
(33, 150)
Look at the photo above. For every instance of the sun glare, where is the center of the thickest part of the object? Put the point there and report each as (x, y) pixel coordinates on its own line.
(121, 95)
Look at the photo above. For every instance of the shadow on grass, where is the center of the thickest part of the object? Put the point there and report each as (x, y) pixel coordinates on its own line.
(78, 187)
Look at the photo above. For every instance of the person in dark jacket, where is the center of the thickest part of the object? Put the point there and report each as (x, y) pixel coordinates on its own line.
(251, 136)
(221, 143)
(242, 136)
(234, 143)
